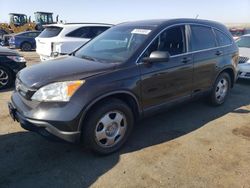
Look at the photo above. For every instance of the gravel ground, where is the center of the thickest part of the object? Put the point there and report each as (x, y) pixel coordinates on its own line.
(191, 145)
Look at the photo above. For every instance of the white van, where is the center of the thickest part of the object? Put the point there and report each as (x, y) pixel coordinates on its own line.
(61, 39)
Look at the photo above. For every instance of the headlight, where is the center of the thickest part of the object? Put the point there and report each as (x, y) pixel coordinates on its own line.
(59, 91)
(19, 59)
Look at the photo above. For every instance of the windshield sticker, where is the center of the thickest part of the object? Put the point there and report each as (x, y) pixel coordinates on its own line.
(141, 31)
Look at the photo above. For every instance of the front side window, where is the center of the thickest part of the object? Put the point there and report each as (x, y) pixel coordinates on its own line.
(202, 38)
(243, 42)
(172, 41)
(117, 44)
(95, 31)
(82, 32)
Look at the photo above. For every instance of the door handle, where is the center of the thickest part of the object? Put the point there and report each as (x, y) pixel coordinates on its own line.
(218, 53)
(186, 59)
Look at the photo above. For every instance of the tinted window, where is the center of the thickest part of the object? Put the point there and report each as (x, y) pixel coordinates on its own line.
(87, 32)
(94, 31)
(117, 44)
(202, 38)
(82, 32)
(243, 42)
(50, 32)
(172, 40)
(222, 38)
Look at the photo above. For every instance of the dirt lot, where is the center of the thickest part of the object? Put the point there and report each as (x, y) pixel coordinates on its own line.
(192, 145)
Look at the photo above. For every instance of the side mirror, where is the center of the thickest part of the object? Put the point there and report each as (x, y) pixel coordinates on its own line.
(157, 57)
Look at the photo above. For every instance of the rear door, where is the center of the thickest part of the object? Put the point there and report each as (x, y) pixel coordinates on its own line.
(206, 56)
(163, 82)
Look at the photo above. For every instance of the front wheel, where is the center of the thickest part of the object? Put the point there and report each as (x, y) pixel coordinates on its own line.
(220, 89)
(108, 126)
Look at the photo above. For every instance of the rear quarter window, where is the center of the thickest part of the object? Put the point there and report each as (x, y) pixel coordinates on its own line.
(222, 38)
(50, 32)
(202, 38)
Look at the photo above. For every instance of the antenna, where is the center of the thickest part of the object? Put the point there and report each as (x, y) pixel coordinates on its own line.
(196, 17)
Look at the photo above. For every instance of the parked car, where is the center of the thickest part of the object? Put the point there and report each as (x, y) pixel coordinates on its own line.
(244, 60)
(131, 70)
(61, 39)
(24, 40)
(10, 63)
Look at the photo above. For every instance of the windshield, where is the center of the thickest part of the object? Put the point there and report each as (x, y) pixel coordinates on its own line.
(243, 42)
(117, 44)
(19, 19)
(44, 18)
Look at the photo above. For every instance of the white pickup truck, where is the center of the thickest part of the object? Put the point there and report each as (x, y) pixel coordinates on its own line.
(61, 39)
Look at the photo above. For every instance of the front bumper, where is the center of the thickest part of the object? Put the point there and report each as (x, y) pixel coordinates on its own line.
(244, 75)
(44, 128)
(244, 71)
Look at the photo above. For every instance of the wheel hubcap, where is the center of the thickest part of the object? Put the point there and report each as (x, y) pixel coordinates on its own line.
(3, 78)
(110, 129)
(221, 89)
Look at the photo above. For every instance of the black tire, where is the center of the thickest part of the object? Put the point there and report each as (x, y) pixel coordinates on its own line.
(26, 46)
(217, 100)
(5, 83)
(93, 120)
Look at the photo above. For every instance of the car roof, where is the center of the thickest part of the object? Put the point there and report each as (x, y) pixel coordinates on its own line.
(168, 22)
(71, 25)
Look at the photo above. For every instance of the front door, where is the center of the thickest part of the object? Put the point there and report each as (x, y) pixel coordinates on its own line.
(163, 82)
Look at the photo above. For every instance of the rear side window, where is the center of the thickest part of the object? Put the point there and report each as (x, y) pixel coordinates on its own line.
(50, 32)
(202, 38)
(87, 32)
(222, 39)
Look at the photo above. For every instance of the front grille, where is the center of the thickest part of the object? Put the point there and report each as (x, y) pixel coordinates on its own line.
(247, 74)
(243, 59)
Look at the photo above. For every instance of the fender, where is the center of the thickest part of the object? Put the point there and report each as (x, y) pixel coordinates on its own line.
(93, 102)
(222, 70)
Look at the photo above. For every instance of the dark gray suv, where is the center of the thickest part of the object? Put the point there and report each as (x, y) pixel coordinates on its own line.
(95, 94)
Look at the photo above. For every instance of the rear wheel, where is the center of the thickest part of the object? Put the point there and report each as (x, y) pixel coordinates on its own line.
(108, 126)
(6, 78)
(26, 46)
(221, 89)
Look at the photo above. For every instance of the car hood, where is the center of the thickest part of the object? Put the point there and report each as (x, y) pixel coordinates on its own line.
(61, 69)
(5, 51)
(244, 52)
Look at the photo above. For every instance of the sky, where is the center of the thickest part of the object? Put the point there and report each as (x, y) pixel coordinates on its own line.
(116, 11)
